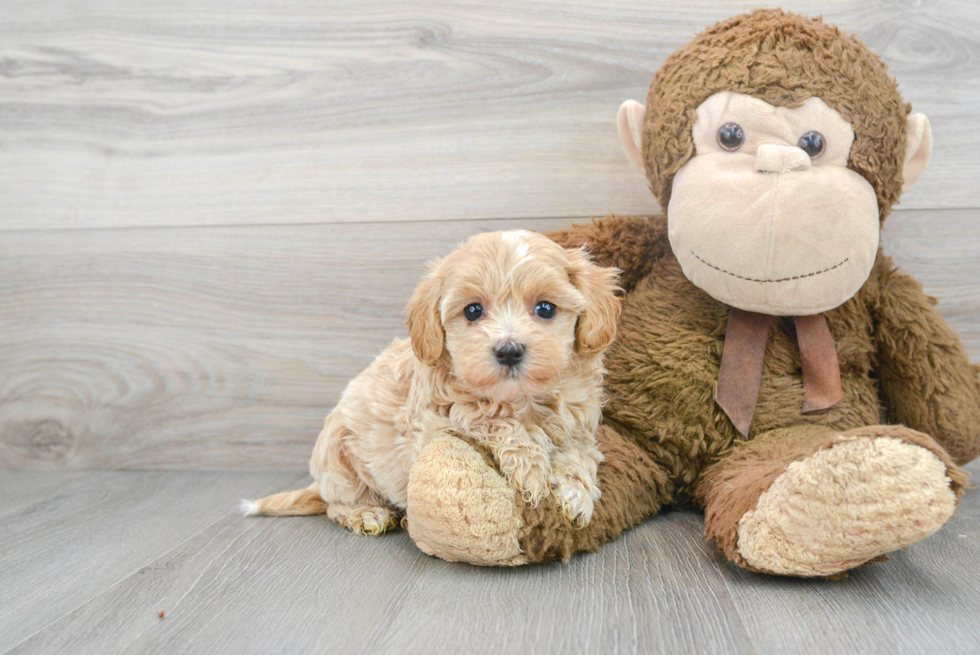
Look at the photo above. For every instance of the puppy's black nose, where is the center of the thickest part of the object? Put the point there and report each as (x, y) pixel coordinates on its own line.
(509, 353)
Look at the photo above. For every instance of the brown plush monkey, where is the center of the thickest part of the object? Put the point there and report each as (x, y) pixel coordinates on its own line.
(765, 337)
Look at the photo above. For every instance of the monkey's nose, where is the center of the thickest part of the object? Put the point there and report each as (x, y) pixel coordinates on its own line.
(771, 158)
(509, 353)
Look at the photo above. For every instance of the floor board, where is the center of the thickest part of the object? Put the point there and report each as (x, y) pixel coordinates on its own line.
(656, 589)
(212, 215)
(305, 585)
(74, 539)
(926, 599)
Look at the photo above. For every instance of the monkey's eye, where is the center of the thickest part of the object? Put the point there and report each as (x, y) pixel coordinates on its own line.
(731, 136)
(473, 312)
(813, 144)
(545, 310)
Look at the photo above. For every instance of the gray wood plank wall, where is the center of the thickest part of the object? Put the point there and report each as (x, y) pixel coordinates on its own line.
(211, 217)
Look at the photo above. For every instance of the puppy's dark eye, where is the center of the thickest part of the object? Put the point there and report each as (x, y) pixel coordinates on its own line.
(473, 312)
(731, 136)
(545, 309)
(813, 144)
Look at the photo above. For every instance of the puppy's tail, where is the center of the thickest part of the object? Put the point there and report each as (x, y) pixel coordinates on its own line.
(302, 502)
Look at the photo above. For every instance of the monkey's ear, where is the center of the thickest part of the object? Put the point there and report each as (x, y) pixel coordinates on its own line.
(918, 148)
(424, 322)
(629, 124)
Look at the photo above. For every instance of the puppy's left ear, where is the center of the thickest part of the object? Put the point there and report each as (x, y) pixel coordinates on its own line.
(424, 322)
(596, 326)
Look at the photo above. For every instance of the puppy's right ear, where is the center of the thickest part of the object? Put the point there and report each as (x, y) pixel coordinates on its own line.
(424, 322)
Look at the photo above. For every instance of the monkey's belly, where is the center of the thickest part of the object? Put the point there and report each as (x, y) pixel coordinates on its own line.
(663, 372)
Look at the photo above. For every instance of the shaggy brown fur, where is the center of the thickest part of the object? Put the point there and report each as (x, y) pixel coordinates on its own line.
(639, 243)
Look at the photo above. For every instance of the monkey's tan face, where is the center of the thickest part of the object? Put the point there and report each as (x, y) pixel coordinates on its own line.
(766, 216)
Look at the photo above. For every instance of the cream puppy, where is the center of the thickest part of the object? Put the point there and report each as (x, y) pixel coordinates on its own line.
(506, 341)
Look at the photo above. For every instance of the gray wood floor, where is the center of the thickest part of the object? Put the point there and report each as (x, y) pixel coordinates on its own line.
(87, 560)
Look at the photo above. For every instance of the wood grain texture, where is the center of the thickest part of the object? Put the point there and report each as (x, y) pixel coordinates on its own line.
(305, 585)
(203, 348)
(249, 586)
(655, 590)
(74, 535)
(121, 114)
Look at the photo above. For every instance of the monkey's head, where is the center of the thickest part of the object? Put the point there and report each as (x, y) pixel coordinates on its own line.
(777, 145)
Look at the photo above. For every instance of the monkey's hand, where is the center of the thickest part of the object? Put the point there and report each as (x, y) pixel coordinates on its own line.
(926, 378)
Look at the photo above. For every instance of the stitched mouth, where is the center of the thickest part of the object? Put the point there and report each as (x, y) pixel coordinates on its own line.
(762, 281)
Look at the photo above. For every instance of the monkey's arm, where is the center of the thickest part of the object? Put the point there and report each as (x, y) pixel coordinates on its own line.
(926, 379)
(632, 244)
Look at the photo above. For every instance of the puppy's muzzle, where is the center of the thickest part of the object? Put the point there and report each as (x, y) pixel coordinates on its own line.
(509, 353)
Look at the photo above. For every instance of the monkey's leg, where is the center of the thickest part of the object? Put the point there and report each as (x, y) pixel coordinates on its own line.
(810, 501)
(461, 509)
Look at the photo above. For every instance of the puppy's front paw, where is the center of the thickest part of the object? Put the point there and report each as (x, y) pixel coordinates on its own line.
(528, 471)
(576, 494)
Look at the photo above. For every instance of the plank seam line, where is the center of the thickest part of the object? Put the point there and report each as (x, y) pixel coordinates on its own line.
(389, 222)
(121, 228)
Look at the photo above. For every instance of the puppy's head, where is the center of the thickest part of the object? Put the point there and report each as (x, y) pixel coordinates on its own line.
(509, 311)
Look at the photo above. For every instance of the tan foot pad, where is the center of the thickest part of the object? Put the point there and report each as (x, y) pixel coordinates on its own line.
(460, 509)
(846, 505)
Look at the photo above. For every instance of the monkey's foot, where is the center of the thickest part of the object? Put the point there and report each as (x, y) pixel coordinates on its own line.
(461, 509)
(845, 505)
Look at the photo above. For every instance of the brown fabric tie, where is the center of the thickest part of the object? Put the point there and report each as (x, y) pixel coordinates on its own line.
(740, 375)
